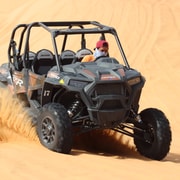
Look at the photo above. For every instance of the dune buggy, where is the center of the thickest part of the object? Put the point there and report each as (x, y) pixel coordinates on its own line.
(67, 96)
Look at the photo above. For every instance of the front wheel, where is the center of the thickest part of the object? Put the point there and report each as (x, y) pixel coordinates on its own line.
(154, 141)
(54, 128)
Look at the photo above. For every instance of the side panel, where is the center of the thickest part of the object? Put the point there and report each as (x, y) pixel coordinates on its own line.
(50, 89)
(35, 82)
(47, 93)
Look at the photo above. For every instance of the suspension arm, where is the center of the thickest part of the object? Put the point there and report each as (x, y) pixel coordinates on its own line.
(121, 129)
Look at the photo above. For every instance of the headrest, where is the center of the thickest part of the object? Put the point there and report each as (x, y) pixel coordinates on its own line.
(83, 52)
(67, 54)
(44, 54)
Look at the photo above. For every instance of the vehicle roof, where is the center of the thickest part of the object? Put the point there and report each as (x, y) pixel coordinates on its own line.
(66, 27)
(56, 28)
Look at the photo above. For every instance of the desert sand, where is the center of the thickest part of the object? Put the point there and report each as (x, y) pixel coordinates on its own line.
(150, 34)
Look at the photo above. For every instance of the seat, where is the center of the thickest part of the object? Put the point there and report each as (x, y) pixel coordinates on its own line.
(67, 57)
(29, 60)
(83, 52)
(43, 62)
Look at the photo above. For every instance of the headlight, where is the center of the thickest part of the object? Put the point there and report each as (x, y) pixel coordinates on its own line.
(134, 81)
(78, 84)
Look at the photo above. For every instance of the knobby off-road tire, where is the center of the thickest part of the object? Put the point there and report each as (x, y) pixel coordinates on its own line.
(157, 135)
(54, 128)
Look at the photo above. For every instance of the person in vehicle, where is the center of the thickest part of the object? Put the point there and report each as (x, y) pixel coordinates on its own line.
(101, 49)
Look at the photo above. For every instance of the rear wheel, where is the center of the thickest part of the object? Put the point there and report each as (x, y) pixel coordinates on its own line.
(54, 128)
(156, 135)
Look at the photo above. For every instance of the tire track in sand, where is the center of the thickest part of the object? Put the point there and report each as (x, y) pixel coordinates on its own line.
(148, 30)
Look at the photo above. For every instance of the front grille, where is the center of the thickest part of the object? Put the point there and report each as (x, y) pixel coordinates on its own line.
(111, 104)
(109, 89)
(110, 96)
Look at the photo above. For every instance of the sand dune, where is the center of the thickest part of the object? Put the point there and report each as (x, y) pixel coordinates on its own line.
(150, 34)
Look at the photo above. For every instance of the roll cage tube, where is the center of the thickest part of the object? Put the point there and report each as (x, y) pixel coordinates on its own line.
(65, 37)
(99, 28)
(12, 42)
(59, 66)
(121, 50)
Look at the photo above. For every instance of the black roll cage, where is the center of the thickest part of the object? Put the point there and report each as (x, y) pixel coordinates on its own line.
(60, 28)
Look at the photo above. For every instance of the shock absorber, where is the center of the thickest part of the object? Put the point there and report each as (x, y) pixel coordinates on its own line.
(136, 116)
(74, 108)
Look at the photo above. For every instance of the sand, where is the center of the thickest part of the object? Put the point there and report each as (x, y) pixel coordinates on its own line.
(150, 34)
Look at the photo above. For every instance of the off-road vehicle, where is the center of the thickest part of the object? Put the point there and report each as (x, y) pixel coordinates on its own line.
(68, 97)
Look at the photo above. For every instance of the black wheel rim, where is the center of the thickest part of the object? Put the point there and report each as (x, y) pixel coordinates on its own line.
(149, 134)
(48, 131)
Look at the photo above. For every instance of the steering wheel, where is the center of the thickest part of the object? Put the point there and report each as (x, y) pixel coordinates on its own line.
(100, 58)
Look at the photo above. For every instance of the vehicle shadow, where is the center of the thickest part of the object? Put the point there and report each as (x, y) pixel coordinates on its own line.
(106, 143)
(172, 157)
(120, 155)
